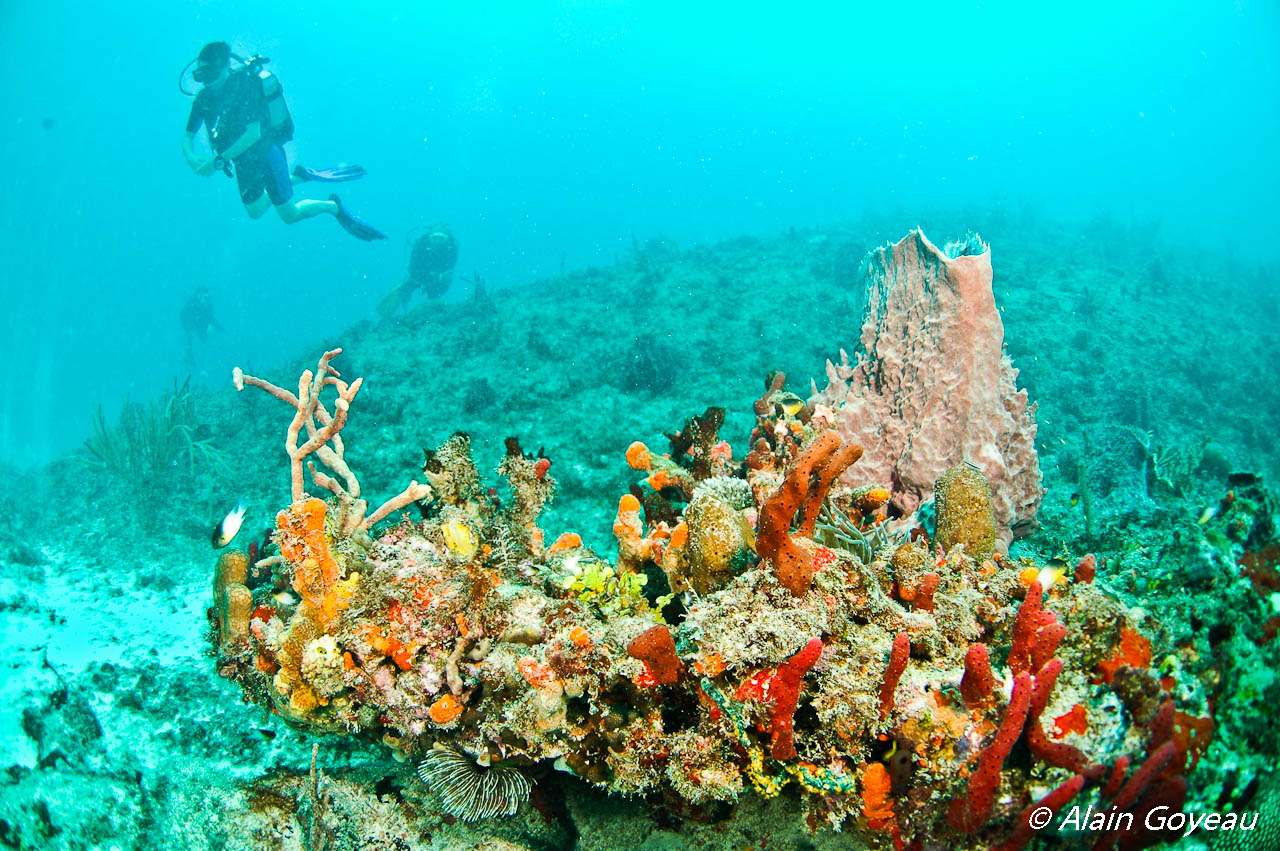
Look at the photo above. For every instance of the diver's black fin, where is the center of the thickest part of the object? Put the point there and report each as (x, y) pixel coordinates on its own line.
(393, 302)
(354, 225)
(338, 174)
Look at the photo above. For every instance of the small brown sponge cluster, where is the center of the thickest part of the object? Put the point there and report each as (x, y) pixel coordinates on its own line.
(290, 693)
(964, 512)
(718, 534)
(232, 600)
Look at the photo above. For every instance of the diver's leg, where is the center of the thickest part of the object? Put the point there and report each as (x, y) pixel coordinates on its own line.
(296, 211)
(257, 207)
(279, 186)
(251, 180)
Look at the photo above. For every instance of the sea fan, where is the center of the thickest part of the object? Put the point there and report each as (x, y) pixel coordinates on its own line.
(469, 791)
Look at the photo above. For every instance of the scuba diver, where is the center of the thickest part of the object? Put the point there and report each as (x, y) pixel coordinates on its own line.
(243, 112)
(197, 321)
(431, 262)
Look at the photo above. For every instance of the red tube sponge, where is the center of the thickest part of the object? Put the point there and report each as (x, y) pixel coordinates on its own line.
(1115, 779)
(969, 813)
(1054, 801)
(1046, 644)
(924, 594)
(978, 684)
(897, 664)
(784, 690)
(1143, 795)
(1059, 754)
(1142, 778)
(1025, 627)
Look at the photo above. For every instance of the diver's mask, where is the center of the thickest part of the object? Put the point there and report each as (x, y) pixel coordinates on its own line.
(206, 74)
(208, 69)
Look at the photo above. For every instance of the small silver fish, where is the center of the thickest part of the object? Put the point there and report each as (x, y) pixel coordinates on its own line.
(226, 531)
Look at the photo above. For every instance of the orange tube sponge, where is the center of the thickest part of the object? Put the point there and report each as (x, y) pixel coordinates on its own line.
(627, 525)
(928, 587)
(877, 805)
(821, 463)
(303, 543)
(825, 474)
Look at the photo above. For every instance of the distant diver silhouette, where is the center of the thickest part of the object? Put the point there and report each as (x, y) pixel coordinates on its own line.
(197, 320)
(431, 262)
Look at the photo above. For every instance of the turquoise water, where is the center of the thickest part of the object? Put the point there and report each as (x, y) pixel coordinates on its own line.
(653, 207)
(552, 133)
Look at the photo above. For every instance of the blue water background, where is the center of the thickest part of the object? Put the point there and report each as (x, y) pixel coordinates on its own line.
(551, 133)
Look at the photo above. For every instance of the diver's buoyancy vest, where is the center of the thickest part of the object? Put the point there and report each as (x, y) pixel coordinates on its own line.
(259, 97)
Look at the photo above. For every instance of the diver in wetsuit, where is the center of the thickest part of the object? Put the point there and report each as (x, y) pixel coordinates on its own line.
(197, 321)
(242, 108)
(431, 262)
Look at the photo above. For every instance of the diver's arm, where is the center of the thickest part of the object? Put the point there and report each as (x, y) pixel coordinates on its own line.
(252, 134)
(202, 166)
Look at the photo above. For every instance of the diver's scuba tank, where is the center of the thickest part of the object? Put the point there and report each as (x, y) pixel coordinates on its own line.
(279, 121)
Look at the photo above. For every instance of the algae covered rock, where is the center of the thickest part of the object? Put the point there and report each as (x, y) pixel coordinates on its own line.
(964, 511)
